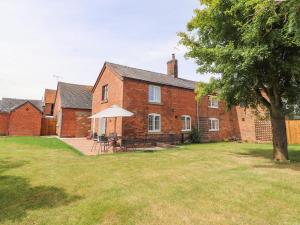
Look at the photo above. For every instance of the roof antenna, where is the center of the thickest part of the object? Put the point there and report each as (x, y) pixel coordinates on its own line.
(57, 77)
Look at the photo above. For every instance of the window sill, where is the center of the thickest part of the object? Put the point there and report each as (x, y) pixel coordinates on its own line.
(155, 103)
(213, 107)
(104, 101)
(213, 130)
(155, 132)
(186, 131)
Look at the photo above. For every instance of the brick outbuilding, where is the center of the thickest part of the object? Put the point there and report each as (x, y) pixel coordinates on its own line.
(49, 101)
(72, 109)
(20, 117)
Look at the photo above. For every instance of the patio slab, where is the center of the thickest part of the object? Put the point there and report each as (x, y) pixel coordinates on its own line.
(83, 145)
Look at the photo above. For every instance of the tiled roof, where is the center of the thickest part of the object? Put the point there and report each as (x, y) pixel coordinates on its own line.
(153, 77)
(50, 96)
(9, 104)
(75, 96)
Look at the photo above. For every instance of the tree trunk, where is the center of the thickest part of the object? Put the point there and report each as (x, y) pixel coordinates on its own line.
(280, 146)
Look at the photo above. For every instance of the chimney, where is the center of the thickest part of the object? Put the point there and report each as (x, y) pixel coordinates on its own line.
(172, 66)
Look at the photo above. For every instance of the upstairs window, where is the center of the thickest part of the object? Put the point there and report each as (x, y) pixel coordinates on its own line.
(154, 122)
(213, 124)
(213, 102)
(186, 123)
(104, 93)
(154, 94)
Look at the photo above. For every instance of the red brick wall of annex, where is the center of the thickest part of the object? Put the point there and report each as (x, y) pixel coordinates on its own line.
(4, 118)
(25, 121)
(75, 123)
(246, 123)
(115, 97)
(175, 102)
(228, 125)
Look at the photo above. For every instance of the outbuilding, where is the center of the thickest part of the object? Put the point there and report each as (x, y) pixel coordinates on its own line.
(20, 117)
(72, 109)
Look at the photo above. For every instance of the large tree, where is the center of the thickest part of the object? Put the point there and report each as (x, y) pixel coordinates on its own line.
(255, 46)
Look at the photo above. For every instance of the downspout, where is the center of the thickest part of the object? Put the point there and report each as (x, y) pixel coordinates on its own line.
(8, 123)
(198, 122)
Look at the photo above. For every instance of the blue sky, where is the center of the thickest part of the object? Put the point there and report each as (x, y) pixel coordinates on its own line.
(72, 39)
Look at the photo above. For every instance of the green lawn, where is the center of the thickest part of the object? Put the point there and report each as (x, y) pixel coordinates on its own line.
(43, 181)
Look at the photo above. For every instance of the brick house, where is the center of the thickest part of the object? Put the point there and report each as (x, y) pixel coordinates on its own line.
(72, 109)
(20, 117)
(162, 104)
(49, 101)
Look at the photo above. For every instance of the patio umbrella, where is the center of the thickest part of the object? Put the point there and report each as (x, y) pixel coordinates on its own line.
(112, 112)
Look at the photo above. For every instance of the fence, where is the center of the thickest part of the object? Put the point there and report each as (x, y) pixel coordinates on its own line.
(293, 131)
(48, 126)
(263, 131)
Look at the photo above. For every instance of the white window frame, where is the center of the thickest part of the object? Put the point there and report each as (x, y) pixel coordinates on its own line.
(104, 93)
(154, 94)
(210, 120)
(186, 123)
(154, 115)
(213, 102)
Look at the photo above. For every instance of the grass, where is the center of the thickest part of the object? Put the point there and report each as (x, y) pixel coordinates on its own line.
(44, 181)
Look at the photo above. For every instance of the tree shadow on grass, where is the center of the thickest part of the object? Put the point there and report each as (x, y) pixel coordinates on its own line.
(17, 195)
(267, 153)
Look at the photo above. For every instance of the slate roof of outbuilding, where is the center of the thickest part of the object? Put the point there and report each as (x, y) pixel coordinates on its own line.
(75, 96)
(9, 104)
(152, 77)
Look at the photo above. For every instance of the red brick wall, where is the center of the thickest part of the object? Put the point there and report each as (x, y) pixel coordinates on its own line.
(246, 124)
(115, 97)
(47, 109)
(25, 121)
(175, 102)
(56, 113)
(75, 123)
(4, 118)
(227, 121)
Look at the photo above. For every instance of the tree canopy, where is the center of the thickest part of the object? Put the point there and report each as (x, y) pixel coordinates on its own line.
(255, 46)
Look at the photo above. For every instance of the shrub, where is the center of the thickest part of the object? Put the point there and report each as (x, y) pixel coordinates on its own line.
(195, 136)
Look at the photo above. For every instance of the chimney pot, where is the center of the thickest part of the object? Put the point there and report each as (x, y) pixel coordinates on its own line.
(172, 67)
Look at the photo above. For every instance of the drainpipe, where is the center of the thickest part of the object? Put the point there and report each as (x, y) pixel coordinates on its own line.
(94, 121)
(198, 122)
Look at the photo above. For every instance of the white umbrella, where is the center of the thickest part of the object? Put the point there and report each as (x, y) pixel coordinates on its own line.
(112, 112)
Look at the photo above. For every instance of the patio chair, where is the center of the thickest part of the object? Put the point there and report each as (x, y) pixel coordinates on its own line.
(103, 142)
(95, 141)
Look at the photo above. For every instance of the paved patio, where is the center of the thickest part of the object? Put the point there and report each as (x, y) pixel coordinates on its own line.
(83, 145)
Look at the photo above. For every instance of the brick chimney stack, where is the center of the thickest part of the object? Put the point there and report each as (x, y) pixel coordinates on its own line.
(172, 66)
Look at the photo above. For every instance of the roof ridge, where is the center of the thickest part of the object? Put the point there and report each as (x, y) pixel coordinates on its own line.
(60, 82)
(136, 68)
(130, 67)
(21, 99)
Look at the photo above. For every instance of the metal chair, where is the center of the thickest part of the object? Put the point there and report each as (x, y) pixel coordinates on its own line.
(103, 142)
(95, 141)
